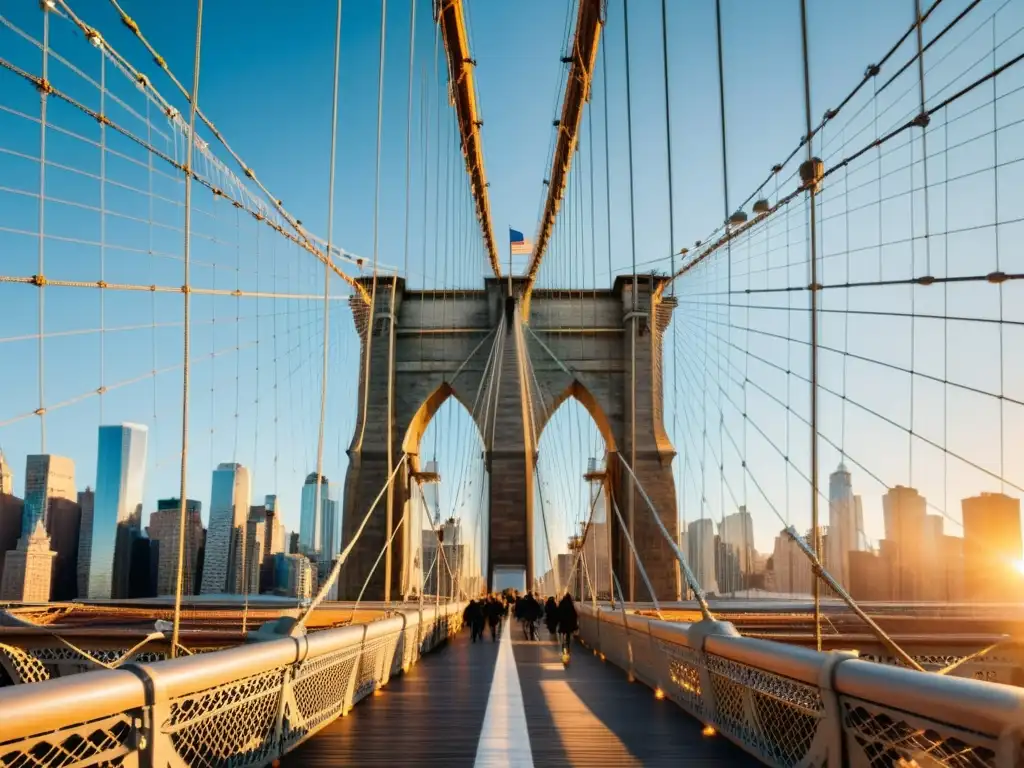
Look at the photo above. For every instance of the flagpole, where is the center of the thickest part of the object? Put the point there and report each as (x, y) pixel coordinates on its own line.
(510, 260)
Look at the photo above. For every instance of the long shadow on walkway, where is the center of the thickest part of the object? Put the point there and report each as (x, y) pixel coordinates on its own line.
(432, 715)
(589, 714)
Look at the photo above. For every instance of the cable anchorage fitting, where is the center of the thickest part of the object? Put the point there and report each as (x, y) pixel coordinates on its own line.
(811, 173)
(129, 22)
(39, 280)
(922, 120)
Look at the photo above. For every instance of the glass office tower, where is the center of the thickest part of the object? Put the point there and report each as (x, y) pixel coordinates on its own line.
(320, 529)
(48, 478)
(224, 557)
(117, 506)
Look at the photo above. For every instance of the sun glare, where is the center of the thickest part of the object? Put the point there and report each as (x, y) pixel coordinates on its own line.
(1019, 565)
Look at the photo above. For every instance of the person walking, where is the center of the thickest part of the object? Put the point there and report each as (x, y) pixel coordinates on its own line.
(551, 617)
(493, 610)
(532, 612)
(568, 623)
(474, 616)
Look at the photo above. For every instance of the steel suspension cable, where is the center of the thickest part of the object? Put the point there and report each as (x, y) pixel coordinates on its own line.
(372, 320)
(41, 319)
(607, 164)
(631, 512)
(182, 496)
(327, 270)
(408, 129)
(812, 188)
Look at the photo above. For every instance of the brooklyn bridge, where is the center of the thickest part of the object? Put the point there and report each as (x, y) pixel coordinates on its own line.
(282, 405)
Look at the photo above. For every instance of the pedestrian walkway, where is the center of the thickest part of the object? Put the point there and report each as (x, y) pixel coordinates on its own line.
(513, 703)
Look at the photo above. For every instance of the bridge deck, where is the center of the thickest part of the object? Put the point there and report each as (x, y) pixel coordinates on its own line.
(513, 703)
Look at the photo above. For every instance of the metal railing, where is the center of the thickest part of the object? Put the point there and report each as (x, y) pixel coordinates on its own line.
(792, 706)
(244, 706)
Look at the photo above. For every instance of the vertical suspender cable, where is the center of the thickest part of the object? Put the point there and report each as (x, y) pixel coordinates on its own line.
(728, 259)
(390, 512)
(103, 226)
(607, 166)
(408, 129)
(812, 188)
(611, 277)
(632, 333)
(408, 171)
(376, 229)
(42, 238)
(182, 496)
(327, 283)
(668, 143)
(671, 239)
(721, 114)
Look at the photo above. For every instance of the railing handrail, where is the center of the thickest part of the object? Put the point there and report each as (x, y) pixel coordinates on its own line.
(984, 707)
(976, 705)
(30, 709)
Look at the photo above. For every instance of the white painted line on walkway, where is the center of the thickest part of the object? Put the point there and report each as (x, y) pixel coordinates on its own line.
(504, 739)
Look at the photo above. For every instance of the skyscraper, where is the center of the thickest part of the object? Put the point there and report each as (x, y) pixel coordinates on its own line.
(164, 525)
(737, 537)
(224, 560)
(255, 541)
(277, 537)
(791, 570)
(47, 478)
(273, 539)
(452, 557)
(11, 511)
(86, 503)
(6, 477)
(992, 548)
(28, 569)
(700, 545)
(320, 529)
(117, 507)
(907, 534)
(845, 524)
(64, 524)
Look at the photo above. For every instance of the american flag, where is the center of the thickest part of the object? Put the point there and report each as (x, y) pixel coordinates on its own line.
(519, 244)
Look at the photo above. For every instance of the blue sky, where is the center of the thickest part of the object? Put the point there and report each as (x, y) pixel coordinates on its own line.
(266, 81)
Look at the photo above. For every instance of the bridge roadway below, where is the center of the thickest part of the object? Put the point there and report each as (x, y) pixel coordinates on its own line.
(513, 703)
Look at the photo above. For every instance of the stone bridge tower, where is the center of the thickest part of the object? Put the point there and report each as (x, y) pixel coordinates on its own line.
(511, 378)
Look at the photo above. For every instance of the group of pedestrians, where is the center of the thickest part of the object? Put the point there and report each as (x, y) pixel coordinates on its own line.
(490, 610)
(561, 620)
(560, 617)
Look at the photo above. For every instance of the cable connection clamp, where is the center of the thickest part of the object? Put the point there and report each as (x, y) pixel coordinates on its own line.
(811, 172)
